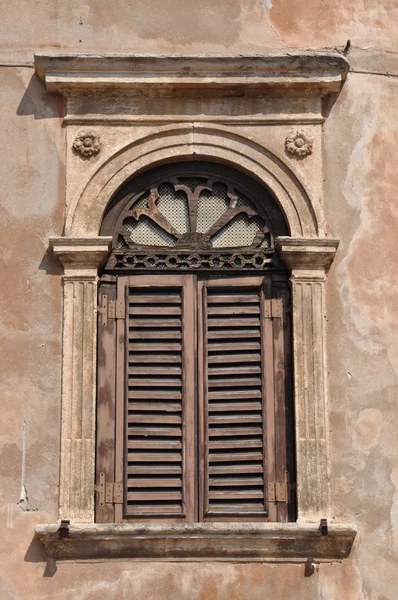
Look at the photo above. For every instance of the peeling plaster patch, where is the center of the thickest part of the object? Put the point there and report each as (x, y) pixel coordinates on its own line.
(394, 508)
(268, 4)
(367, 429)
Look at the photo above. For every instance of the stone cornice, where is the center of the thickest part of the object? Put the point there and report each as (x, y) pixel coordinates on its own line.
(243, 542)
(307, 72)
(81, 253)
(307, 255)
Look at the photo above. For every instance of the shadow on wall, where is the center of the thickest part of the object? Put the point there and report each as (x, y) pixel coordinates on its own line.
(50, 264)
(38, 102)
(36, 553)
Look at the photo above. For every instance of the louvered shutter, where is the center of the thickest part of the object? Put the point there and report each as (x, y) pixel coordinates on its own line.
(237, 394)
(158, 397)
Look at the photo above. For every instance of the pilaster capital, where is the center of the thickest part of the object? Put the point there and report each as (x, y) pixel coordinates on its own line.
(307, 258)
(81, 256)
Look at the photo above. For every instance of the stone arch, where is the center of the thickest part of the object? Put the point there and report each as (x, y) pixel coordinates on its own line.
(196, 142)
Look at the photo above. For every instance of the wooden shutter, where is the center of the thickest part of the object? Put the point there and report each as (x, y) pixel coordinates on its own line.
(156, 403)
(239, 345)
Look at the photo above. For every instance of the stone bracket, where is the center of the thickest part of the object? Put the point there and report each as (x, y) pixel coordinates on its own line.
(248, 542)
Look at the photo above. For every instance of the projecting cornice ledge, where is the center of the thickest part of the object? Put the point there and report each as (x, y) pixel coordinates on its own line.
(305, 72)
(249, 542)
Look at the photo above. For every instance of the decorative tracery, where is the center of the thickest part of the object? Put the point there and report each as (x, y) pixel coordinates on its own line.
(192, 216)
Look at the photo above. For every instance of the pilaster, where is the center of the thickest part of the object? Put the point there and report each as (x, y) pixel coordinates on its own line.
(81, 259)
(308, 261)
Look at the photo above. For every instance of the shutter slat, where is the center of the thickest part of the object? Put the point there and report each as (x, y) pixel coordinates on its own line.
(234, 471)
(157, 457)
(154, 347)
(155, 478)
(146, 482)
(232, 358)
(154, 299)
(154, 310)
(232, 309)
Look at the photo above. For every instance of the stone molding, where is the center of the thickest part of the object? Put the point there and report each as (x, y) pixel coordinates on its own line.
(237, 542)
(307, 258)
(197, 141)
(309, 72)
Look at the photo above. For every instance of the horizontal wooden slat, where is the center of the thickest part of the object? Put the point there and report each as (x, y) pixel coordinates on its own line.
(234, 381)
(237, 495)
(233, 419)
(229, 347)
(153, 298)
(154, 347)
(154, 470)
(154, 334)
(236, 456)
(154, 445)
(235, 370)
(157, 457)
(249, 322)
(233, 358)
(234, 395)
(235, 481)
(154, 431)
(238, 469)
(153, 509)
(232, 298)
(237, 406)
(154, 310)
(152, 370)
(162, 382)
(233, 310)
(153, 323)
(155, 394)
(231, 444)
(153, 482)
(152, 419)
(154, 359)
(165, 495)
(232, 431)
(154, 406)
(225, 334)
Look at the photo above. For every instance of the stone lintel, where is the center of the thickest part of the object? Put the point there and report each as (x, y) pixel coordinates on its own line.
(310, 72)
(81, 256)
(307, 258)
(243, 542)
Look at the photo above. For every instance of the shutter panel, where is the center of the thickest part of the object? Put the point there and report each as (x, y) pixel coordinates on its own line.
(237, 379)
(159, 395)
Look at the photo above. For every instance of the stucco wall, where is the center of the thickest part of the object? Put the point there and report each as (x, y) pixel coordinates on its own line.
(359, 189)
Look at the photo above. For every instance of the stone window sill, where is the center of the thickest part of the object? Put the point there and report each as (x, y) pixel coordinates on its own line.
(247, 542)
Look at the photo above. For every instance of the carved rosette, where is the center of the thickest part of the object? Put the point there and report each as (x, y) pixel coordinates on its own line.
(298, 143)
(87, 144)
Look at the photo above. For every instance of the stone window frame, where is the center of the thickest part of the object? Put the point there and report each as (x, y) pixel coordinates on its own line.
(307, 253)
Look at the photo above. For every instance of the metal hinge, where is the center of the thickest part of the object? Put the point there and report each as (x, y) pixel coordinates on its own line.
(110, 309)
(279, 491)
(109, 493)
(106, 309)
(273, 309)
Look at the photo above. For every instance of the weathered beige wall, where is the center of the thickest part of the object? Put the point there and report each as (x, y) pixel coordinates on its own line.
(361, 137)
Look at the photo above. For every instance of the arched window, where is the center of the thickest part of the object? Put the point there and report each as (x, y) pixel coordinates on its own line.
(194, 419)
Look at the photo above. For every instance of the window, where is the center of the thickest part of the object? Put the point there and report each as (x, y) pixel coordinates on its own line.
(194, 419)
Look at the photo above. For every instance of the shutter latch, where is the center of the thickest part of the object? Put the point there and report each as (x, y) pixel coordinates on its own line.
(109, 493)
(279, 491)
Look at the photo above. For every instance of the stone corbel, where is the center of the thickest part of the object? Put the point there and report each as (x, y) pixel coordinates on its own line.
(81, 259)
(309, 261)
